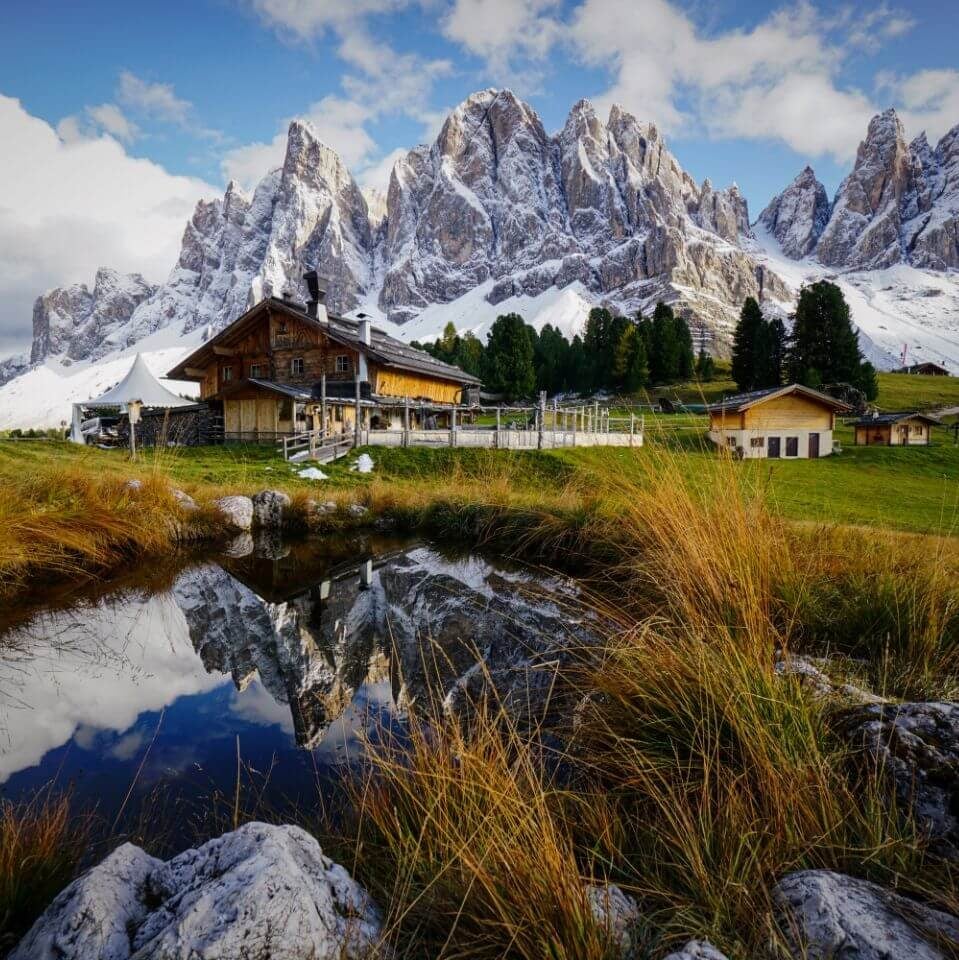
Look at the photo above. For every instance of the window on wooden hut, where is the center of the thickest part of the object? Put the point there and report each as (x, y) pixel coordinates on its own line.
(792, 446)
(256, 371)
(296, 366)
(343, 363)
(286, 408)
(226, 374)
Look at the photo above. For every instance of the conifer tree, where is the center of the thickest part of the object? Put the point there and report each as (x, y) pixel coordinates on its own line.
(748, 340)
(509, 358)
(824, 347)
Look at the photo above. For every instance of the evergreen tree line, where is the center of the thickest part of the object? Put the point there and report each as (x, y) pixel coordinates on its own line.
(821, 350)
(616, 353)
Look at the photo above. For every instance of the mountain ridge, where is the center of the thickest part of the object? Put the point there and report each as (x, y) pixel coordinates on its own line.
(497, 208)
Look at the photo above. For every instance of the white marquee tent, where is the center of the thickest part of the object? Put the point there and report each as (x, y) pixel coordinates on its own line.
(139, 385)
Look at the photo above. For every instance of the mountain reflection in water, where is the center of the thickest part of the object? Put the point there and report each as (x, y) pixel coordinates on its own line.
(282, 654)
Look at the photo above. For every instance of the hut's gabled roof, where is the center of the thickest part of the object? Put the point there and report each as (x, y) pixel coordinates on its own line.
(891, 419)
(743, 401)
(382, 349)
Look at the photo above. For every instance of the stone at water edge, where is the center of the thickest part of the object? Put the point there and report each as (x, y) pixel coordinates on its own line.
(269, 508)
(357, 510)
(260, 891)
(697, 950)
(237, 511)
(826, 915)
(185, 501)
(917, 746)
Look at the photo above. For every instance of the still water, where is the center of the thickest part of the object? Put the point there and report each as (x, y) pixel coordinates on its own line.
(280, 661)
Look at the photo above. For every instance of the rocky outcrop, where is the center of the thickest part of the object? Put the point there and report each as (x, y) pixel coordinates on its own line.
(812, 675)
(603, 203)
(77, 322)
(917, 746)
(261, 891)
(899, 204)
(798, 215)
(826, 915)
(865, 229)
(307, 214)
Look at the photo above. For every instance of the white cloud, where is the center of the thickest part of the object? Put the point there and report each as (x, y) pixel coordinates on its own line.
(155, 99)
(68, 206)
(308, 18)
(927, 100)
(109, 117)
(779, 79)
(505, 31)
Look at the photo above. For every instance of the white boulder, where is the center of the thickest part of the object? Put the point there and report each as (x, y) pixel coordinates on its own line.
(261, 891)
(617, 913)
(238, 511)
(697, 950)
(826, 915)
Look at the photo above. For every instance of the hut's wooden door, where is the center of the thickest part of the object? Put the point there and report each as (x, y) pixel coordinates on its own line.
(775, 449)
(813, 445)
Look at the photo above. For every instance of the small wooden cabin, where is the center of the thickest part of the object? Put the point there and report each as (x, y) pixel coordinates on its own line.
(895, 430)
(791, 422)
(926, 369)
(282, 367)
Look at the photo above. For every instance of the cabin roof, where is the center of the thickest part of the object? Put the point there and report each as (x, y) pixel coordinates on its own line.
(383, 349)
(890, 419)
(743, 401)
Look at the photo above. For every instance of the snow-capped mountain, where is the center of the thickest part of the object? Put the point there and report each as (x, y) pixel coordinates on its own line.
(499, 215)
(900, 204)
(495, 198)
(797, 217)
(890, 239)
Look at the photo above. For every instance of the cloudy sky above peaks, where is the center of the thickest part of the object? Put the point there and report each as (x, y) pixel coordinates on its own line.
(116, 117)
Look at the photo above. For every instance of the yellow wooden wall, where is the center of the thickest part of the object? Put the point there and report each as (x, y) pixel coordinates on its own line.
(792, 411)
(388, 382)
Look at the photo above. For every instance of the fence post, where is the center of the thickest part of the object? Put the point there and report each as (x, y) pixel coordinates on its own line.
(540, 417)
(632, 427)
(453, 427)
(323, 404)
(406, 422)
(356, 425)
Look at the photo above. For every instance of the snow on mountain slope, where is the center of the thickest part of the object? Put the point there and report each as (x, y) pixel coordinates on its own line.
(898, 306)
(565, 309)
(42, 397)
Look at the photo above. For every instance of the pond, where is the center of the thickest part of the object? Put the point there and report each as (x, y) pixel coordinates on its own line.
(273, 664)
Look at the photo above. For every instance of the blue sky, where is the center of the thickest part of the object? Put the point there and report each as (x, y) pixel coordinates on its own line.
(203, 90)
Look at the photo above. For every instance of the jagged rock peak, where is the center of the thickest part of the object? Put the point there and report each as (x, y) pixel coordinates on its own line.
(798, 215)
(73, 320)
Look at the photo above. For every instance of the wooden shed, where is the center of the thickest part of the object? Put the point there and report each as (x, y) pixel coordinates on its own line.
(791, 422)
(904, 429)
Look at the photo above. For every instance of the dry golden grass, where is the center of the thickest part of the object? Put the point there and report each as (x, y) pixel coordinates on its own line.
(71, 523)
(41, 844)
(465, 838)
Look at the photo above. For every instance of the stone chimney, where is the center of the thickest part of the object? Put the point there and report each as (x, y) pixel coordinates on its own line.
(364, 329)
